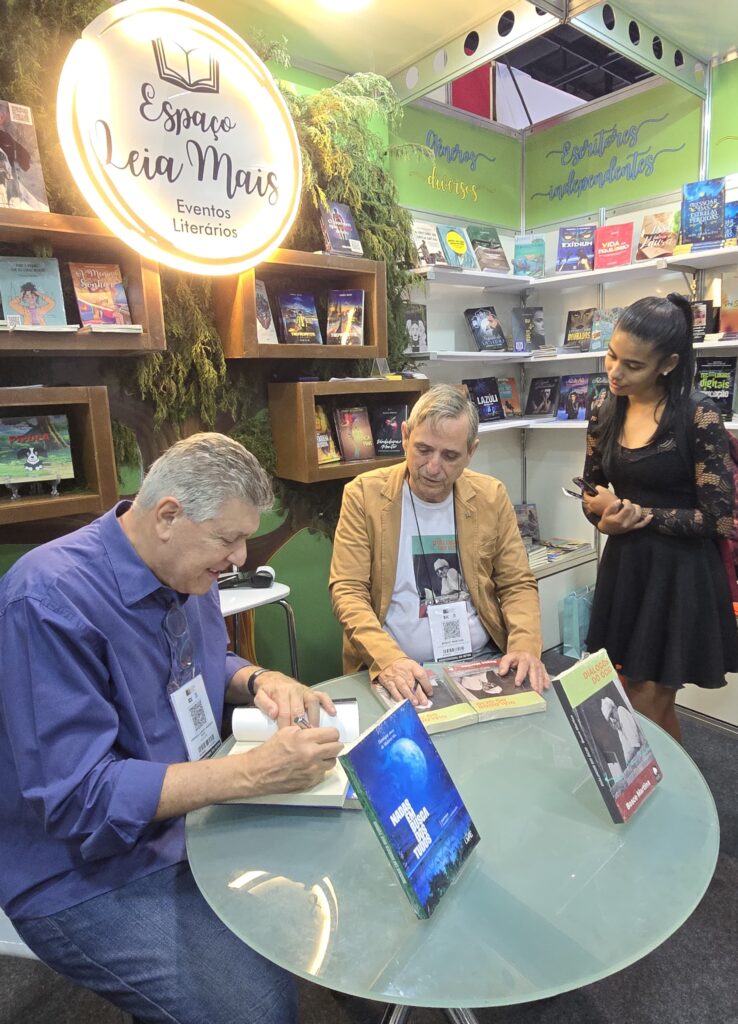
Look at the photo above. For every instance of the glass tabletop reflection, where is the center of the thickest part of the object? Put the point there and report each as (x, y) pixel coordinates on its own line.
(554, 897)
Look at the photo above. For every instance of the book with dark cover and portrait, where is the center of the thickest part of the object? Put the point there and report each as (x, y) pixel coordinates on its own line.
(578, 334)
(101, 297)
(427, 244)
(573, 390)
(412, 804)
(416, 327)
(299, 319)
(490, 694)
(612, 742)
(486, 329)
(457, 249)
(266, 332)
(445, 709)
(354, 433)
(345, 317)
(529, 256)
(543, 396)
(659, 235)
(324, 440)
(31, 293)
(35, 448)
(528, 328)
(716, 378)
(339, 230)
(488, 249)
(386, 422)
(597, 392)
(576, 248)
(703, 319)
(21, 178)
(613, 245)
(603, 324)
(509, 393)
(703, 211)
(483, 392)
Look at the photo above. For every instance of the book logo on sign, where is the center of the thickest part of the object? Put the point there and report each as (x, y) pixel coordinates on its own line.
(191, 61)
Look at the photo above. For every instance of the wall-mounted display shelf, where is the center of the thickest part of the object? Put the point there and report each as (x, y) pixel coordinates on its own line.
(475, 278)
(292, 412)
(314, 273)
(86, 240)
(707, 259)
(608, 275)
(566, 562)
(91, 440)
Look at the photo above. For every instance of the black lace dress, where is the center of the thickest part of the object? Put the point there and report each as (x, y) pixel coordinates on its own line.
(662, 608)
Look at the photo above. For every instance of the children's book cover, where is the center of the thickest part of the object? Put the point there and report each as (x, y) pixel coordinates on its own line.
(324, 440)
(578, 334)
(299, 319)
(412, 804)
(597, 392)
(659, 235)
(703, 211)
(529, 256)
(543, 396)
(486, 329)
(354, 433)
(266, 331)
(573, 391)
(21, 178)
(457, 249)
(483, 392)
(386, 422)
(427, 244)
(490, 694)
(30, 289)
(101, 297)
(528, 328)
(576, 248)
(603, 324)
(488, 249)
(35, 448)
(339, 230)
(345, 319)
(716, 377)
(509, 396)
(613, 245)
(607, 730)
(416, 327)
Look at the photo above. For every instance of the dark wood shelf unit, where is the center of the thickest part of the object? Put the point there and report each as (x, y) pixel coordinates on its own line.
(292, 412)
(315, 273)
(92, 441)
(87, 240)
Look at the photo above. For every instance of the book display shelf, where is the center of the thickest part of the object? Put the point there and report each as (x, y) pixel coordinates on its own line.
(95, 487)
(84, 239)
(292, 412)
(316, 273)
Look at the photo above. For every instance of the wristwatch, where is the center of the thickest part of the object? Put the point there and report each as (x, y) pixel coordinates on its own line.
(252, 679)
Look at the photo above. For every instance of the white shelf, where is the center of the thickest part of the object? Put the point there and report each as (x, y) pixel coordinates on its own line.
(714, 346)
(449, 356)
(552, 424)
(474, 278)
(629, 272)
(564, 357)
(514, 423)
(704, 260)
(566, 562)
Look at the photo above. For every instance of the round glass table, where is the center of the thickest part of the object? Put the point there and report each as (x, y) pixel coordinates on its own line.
(554, 897)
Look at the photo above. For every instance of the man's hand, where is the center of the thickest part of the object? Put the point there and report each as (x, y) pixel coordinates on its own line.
(283, 699)
(406, 678)
(622, 517)
(291, 760)
(525, 665)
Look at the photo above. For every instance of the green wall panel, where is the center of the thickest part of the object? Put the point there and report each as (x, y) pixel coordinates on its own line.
(643, 146)
(723, 155)
(473, 175)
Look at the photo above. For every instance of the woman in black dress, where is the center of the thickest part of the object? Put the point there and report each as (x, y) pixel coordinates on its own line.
(662, 607)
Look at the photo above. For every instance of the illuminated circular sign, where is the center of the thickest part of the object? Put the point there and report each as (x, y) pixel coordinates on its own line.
(178, 137)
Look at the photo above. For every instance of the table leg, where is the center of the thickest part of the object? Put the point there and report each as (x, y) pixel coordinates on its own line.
(291, 636)
(461, 1016)
(396, 1014)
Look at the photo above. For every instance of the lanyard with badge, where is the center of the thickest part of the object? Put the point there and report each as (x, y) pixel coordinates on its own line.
(186, 689)
(449, 621)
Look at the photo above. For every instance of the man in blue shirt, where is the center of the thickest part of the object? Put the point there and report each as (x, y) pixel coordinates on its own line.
(115, 676)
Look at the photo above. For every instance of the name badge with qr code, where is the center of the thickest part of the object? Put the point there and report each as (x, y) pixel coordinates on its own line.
(191, 706)
(449, 626)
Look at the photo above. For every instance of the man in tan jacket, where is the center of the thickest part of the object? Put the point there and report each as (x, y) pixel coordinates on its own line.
(399, 526)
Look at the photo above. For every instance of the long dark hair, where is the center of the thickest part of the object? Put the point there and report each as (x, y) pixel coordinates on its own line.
(665, 325)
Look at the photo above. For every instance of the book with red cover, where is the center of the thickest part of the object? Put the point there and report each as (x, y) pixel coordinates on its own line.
(613, 245)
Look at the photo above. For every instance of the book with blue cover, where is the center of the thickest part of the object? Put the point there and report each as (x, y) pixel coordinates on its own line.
(731, 220)
(339, 230)
(529, 256)
(603, 325)
(573, 391)
(484, 393)
(703, 211)
(299, 319)
(576, 248)
(31, 292)
(457, 247)
(412, 804)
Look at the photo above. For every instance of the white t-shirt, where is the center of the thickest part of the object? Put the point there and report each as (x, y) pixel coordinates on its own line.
(428, 572)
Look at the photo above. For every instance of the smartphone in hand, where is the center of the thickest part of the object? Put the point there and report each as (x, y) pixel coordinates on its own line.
(582, 484)
(572, 494)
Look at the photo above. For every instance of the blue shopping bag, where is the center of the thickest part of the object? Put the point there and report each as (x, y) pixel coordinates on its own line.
(574, 612)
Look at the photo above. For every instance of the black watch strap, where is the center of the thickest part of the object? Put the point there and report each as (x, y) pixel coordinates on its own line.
(252, 679)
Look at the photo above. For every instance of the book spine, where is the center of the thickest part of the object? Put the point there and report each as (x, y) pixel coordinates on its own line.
(574, 722)
(387, 846)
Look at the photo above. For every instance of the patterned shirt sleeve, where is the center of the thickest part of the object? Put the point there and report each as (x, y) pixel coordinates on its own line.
(593, 471)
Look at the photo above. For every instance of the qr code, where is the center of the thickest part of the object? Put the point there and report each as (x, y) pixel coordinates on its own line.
(199, 718)
(20, 115)
(451, 629)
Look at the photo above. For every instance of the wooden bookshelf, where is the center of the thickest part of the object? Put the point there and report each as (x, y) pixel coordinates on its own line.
(315, 273)
(92, 453)
(292, 412)
(85, 240)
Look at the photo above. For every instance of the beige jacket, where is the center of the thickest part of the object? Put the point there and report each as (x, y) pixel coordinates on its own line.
(503, 590)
